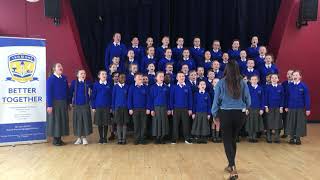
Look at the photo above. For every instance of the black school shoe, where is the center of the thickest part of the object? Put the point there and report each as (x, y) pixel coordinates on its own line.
(100, 141)
(298, 141)
(292, 141)
(143, 141)
(284, 136)
(136, 142)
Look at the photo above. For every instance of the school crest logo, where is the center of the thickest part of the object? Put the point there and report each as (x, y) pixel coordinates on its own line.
(22, 67)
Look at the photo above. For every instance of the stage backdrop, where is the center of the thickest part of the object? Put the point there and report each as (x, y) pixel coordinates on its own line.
(23, 90)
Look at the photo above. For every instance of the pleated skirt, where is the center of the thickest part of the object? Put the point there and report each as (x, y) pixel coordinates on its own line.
(58, 120)
(160, 123)
(200, 125)
(273, 119)
(296, 122)
(102, 117)
(254, 122)
(121, 116)
(82, 123)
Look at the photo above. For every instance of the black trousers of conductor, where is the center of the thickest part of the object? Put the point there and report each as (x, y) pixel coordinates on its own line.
(139, 121)
(231, 123)
(180, 115)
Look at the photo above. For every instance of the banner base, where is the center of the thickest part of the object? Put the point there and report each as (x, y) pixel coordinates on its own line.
(23, 143)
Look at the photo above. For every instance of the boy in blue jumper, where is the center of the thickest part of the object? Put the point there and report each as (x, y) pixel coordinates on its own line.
(161, 50)
(250, 70)
(116, 48)
(253, 50)
(181, 106)
(149, 43)
(225, 60)
(137, 105)
(216, 68)
(207, 63)
(186, 60)
(133, 68)
(120, 108)
(216, 53)
(169, 71)
(138, 50)
(167, 59)
(146, 60)
(259, 60)
(297, 106)
(177, 51)
(234, 52)
(151, 74)
(242, 62)
(197, 51)
(131, 59)
(267, 68)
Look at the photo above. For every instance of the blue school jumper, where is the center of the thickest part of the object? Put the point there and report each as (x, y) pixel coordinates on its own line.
(218, 74)
(158, 96)
(190, 62)
(113, 50)
(223, 65)
(137, 97)
(206, 65)
(162, 64)
(177, 53)
(79, 92)
(216, 55)
(180, 97)
(257, 97)
(274, 96)
(250, 73)
(253, 52)
(173, 78)
(57, 89)
(234, 54)
(258, 61)
(129, 79)
(145, 62)
(265, 71)
(101, 96)
(160, 52)
(202, 102)
(152, 79)
(197, 54)
(193, 85)
(242, 65)
(119, 97)
(138, 53)
(297, 96)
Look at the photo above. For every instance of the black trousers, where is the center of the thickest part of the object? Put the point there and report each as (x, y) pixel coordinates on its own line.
(180, 115)
(231, 123)
(139, 120)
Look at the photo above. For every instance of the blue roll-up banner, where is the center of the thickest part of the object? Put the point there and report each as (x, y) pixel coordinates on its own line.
(22, 90)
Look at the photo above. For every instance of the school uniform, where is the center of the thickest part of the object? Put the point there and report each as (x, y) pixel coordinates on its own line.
(201, 109)
(146, 61)
(152, 78)
(101, 99)
(250, 72)
(193, 85)
(158, 101)
(130, 79)
(189, 62)
(284, 114)
(242, 64)
(79, 93)
(223, 65)
(177, 53)
(265, 70)
(137, 101)
(298, 102)
(57, 98)
(115, 49)
(197, 53)
(254, 121)
(259, 61)
(274, 99)
(253, 52)
(138, 52)
(218, 74)
(216, 55)
(234, 53)
(120, 104)
(208, 85)
(162, 64)
(206, 65)
(160, 52)
(180, 103)
(129, 62)
(173, 78)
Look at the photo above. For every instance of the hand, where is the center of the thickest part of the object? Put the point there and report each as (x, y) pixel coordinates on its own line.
(93, 110)
(209, 117)
(193, 116)
(147, 111)
(308, 113)
(130, 111)
(281, 110)
(286, 109)
(261, 112)
(168, 113)
(49, 110)
(190, 112)
(267, 109)
(153, 113)
(247, 112)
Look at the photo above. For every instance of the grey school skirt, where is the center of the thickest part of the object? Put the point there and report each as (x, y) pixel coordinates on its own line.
(254, 122)
(102, 117)
(121, 116)
(58, 120)
(200, 125)
(273, 119)
(296, 122)
(160, 122)
(82, 123)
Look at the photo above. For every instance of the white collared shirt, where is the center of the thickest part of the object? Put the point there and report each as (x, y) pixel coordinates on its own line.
(151, 73)
(179, 47)
(164, 47)
(274, 85)
(250, 70)
(254, 86)
(268, 65)
(150, 57)
(159, 84)
(80, 80)
(135, 46)
(243, 60)
(131, 60)
(138, 85)
(215, 50)
(262, 56)
(181, 85)
(185, 59)
(207, 60)
(296, 83)
(104, 83)
(193, 82)
(116, 44)
(196, 47)
(202, 92)
(58, 76)
(121, 85)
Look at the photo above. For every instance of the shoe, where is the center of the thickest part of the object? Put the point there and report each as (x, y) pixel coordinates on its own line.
(78, 141)
(254, 140)
(85, 141)
(101, 141)
(298, 141)
(187, 141)
(105, 141)
(143, 142)
(219, 140)
(174, 142)
(61, 142)
(291, 141)
(277, 141)
(233, 174)
(136, 142)
(214, 140)
(204, 141)
(269, 141)
(112, 137)
(124, 142)
(284, 136)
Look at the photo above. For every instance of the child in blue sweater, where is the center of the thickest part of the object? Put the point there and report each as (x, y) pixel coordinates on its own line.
(161, 50)
(242, 62)
(207, 63)
(197, 51)
(225, 60)
(178, 50)
(216, 68)
(259, 60)
(186, 60)
(167, 59)
(149, 58)
(138, 50)
(216, 53)
(115, 48)
(298, 107)
(151, 74)
(253, 50)
(250, 70)
(284, 114)
(120, 108)
(133, 68)
(234, 52)
(267, 68)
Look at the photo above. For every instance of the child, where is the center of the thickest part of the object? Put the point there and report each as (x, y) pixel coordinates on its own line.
(79, 93)
(145, 80)
(298, 107)
(181, 105)
(268, 68)
(285, 85)
(120, 108)
(101, 105)
(177, 51)
(207, 61)
(116, 48)
(151, 73)
(149, 42)
(137, 105)
(133, 68)
(242, 62)
(131, 60)
(57, 105)
(169, 71)
(259, 60)
(253, 50)
(274, 101)
(138, 50)
(158, 104)
(250, 71)
(197, 51)
(201, 114)
(215, 126)
(149, 58)
(225, 60)
(192, 82)
(235, 51)
(185, 70)
(165, 60)
(210, 77)
(186, 60)
(200, 73)
(254, 121)
(216, 69)
(112, 69)
(119, 66)
(216, 53)
(161, 50)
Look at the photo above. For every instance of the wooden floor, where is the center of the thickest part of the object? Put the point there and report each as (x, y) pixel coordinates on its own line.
(161, 162)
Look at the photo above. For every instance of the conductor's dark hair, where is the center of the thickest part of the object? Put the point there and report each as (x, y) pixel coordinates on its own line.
(233, 78)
